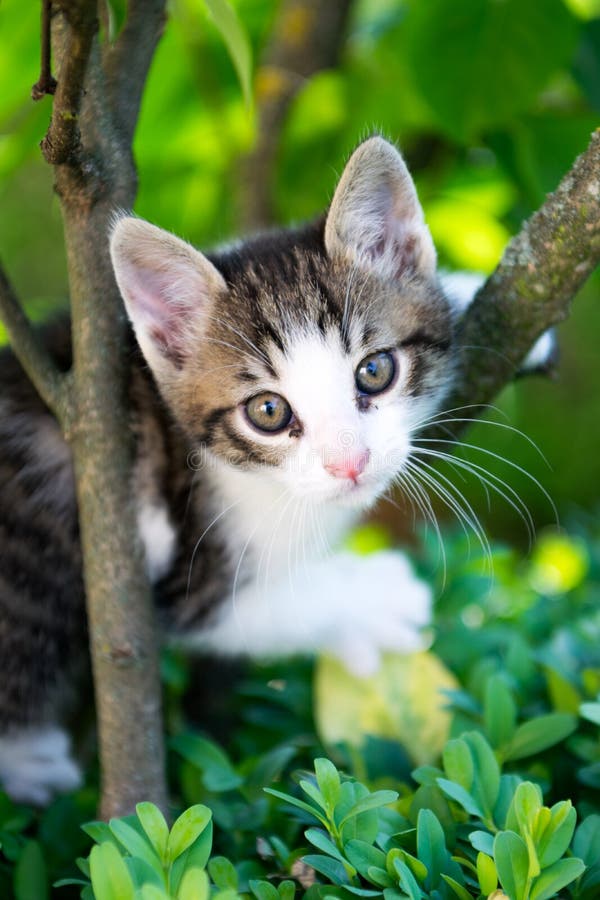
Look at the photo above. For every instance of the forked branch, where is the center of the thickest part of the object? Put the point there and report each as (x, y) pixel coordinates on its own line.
(126, 62)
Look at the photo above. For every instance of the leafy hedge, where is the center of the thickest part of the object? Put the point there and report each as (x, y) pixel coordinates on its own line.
(500, 799)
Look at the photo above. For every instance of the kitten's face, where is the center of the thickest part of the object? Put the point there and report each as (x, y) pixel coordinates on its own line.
(312, 356)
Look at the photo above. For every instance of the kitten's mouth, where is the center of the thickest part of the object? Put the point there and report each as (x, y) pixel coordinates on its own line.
(358, 492)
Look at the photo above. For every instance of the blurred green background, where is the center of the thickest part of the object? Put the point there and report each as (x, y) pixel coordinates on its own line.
(490, 100)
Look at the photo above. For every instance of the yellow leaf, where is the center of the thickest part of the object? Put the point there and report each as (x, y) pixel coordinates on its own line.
(403, 701)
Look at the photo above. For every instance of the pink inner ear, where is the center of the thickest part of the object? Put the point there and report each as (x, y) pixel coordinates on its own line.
(393, 239)
(158, 304)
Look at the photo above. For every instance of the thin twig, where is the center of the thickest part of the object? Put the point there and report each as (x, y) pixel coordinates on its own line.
(307, 38)
(127, 61)
(62, 143)
(46, 83)
(51, 384)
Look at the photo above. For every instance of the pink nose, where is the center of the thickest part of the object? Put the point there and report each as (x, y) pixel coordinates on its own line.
(347, 464)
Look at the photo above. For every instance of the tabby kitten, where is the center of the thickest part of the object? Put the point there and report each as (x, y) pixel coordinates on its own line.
(279, 385)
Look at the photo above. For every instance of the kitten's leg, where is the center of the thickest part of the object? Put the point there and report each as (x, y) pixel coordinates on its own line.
(354, 607)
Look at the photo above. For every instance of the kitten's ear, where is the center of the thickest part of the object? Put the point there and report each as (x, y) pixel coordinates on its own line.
(168, 288)
(375, 218)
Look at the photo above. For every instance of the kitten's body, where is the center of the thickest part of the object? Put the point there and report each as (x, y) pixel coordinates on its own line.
(237, 522)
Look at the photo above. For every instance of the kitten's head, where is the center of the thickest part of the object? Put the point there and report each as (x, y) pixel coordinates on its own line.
(310, 355)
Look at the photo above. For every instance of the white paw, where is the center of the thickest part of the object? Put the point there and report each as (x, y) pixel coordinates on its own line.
(36, 764)
(384, 607)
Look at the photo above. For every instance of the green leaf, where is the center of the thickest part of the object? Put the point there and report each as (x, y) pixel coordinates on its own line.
(457, 793)
(236, 40)
(151, 892)
(109, 875)
(267, 769)
(371, 801)
(486, 873)
(556, 877)
(287, 890)
(508, 787)
(328, 780)
(217, 772)
(331, 868)
(540, 733)
(378, 876)
(141, 873)
(117, 14)
(526, 804)
(586, 842)
(154, 824)
(591, 712)
(458, 889)
(312, 791)
(99, 832)
(30, 875)
(322, 842)
(500, 56)
(263, 890)
(364, 856)
(223, 873)
(555, 840)
(194, 885)
(431, 846)
(512, 863)
(458, 763)
(299, 804)
(483, 842)
(407, 880)
(186, 829)
(134, 843)
(418, 868)
(487, 772)
(195, 857)
(499, 712)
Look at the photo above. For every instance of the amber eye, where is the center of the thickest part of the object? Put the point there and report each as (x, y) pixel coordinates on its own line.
(269, 412)
(375, 373)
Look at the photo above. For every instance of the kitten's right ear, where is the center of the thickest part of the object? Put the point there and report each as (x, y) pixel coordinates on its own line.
(168, 288)
(375, 219)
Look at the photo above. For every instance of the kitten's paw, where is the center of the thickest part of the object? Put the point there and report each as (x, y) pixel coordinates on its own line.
(385, 608)
(36, 764)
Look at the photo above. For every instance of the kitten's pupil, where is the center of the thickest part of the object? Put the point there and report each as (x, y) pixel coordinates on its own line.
(375, 373)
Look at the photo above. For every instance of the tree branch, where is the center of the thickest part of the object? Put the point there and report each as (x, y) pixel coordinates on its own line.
(532, 288)
(62, 143)
(51, 384)
(128, 60)
(89, 144)
(307, 38)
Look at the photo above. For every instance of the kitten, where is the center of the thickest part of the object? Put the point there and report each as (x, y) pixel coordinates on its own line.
(280, 385)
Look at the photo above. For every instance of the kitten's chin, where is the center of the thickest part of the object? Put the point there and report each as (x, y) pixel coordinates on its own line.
(361, 496)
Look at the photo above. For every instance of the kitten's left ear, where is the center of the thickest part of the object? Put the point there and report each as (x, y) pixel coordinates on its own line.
(168, 287)
(375, 218)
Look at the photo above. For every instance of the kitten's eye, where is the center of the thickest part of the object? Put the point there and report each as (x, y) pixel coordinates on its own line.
(269, 412)
(375, 373)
